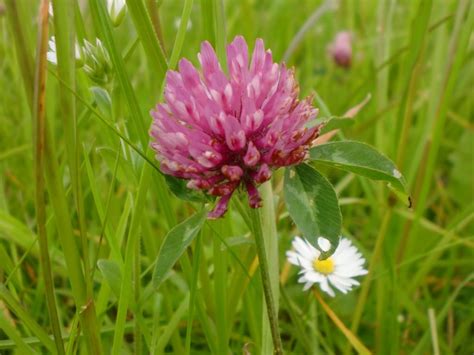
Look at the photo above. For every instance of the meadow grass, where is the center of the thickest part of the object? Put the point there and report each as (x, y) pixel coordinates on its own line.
(84, 211)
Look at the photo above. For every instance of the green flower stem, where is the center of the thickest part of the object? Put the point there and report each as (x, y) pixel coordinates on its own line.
(266, 281)
(271, 247)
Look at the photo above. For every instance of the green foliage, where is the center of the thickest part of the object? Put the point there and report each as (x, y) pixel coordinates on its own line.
(174, 245)
(312, 203)
(360, 159)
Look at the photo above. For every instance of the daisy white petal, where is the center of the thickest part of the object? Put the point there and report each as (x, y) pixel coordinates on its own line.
(324, 244)
(337, 271)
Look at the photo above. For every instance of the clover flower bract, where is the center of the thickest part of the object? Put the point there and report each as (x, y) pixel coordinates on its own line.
(221, 132)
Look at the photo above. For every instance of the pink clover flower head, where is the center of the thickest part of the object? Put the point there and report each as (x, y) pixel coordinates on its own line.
(341, 49)
(221, 132)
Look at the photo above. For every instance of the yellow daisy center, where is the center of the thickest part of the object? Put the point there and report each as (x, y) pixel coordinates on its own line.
(324, 266)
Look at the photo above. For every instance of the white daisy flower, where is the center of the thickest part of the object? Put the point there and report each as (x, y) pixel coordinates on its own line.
(338, 270)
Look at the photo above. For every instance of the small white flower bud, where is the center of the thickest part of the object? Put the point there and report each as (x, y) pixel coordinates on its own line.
(117, 10)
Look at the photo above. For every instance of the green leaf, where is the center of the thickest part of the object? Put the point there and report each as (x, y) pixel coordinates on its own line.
(360, 159)
(111, 272)
(312, 204)
(175, 243)
(179, 189)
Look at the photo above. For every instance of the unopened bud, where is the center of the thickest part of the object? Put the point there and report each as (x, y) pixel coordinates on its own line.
(341, 49)
(97, 64)
(117, 10)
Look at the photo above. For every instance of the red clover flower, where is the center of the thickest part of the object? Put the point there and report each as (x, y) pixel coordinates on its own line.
(221, 132)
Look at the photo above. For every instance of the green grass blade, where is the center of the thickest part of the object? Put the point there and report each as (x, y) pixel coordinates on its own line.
(13, 335)
(192, 292)
(105, 27)
(207, 14)
(183, 25)
(133, 239)
(148, 37)
(40, 137)
(171, 325)
(26, 318)
(23, 45)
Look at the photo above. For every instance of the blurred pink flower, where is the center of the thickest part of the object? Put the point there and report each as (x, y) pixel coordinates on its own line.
(221, 132)
(341, 49)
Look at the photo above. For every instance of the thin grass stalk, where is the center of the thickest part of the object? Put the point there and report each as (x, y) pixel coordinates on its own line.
(350, 336)
(458, 45)
(79, 24)
(57, 195)
(415, 63)
(207, 11)
(39, 137)
(65, 47)
(26, 318)
(22, 44)
(442, 315)
(220, 288)
(183, 25)
(136, 286)
(309, 24)
(110, 125)
(433, 331)
(73, 343)
(101, 17)
(114, 250)
(149, 39)
(192, 292)
(12, 333)
(154, 11)
(382, 54)
(220, 32)
(266, 279)
(208, 326)
(364, 292)
(156, 57)
(133, 239)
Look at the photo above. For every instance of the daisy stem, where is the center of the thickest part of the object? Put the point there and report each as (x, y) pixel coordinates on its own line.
(264, 272)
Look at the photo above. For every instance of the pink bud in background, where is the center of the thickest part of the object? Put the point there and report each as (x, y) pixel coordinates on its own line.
(222, 132)
(341, 49)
